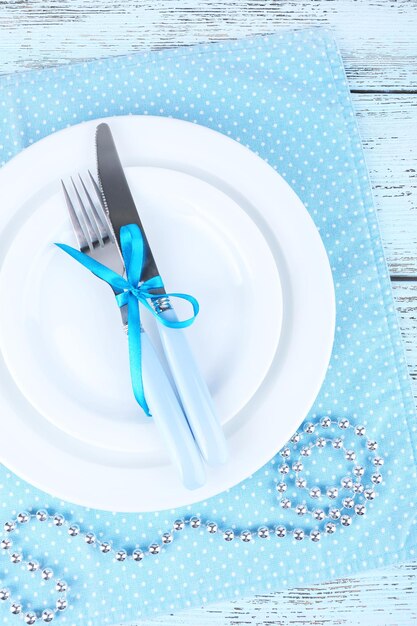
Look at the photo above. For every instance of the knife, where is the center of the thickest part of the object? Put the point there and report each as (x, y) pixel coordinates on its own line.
(192, 389)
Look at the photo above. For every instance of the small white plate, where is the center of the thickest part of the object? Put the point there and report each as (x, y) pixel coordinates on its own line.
(224, 227)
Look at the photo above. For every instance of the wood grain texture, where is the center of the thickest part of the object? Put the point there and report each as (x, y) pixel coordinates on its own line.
(388, 598)
(379, 45)
(377, 37)
(388, 126)
(405, 294)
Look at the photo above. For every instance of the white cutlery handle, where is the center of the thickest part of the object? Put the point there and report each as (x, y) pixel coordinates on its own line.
(170, 419)
(193, 391)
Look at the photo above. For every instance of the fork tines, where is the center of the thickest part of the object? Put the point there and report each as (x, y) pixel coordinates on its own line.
(88, 217)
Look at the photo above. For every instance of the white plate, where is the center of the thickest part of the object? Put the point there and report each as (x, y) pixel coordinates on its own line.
(226, 228)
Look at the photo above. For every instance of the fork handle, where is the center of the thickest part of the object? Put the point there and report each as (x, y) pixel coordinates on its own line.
(193, 391)
(170, 419)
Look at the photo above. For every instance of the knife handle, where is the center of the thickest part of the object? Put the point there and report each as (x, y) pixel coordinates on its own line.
(193, 391)
(170, 419)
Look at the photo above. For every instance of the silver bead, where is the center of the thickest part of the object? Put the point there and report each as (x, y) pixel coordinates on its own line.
(167, 538)
(23, 517)
(357, 488)
(309, 428)
(30, 618)
(358, 470)
(32, 566)
(326, 422)
(350, 455)
(348, 503)
(42, 515)
(360, 431)
(301, 509)
(6, 544)
(284, 469)
(305, 451)
(346, 520)
(369, 494)
(297, 466)
(371, 445)
(360, 509)
(105, 547)
(212, 527)
(295, 438)
(246, 536)
(298, 534)
(281, 487)
(280, 531)
(301, 483)
(58, 520)
(332, 492)
(154, 549)
(285, 503)
(344, 423)
(15, 608)
(337, 443)
(285, 453)
(47, 615)
(378, 461)
(137, 555)
(346, 482)
(61, 586)
(195, 522)
(61, 604)
(16, 557)
(263, 532)
(74, 530)
(334, 513)
(319, 514)
(4, 594)
(315, 535)
(321, 442)
(315, 492)
(330, 528)
(376, 478)
(47, 573)
(121, 555)
(228, 535)
(90, 538)
(9, 527)
(179, 524)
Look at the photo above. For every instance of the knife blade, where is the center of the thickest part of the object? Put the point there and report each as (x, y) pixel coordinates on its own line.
(192, 389)
(117, 197)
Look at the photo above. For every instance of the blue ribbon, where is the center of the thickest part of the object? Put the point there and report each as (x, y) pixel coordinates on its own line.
(131, 292)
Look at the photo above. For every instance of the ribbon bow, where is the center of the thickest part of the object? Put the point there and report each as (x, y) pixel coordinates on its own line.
(131, 292)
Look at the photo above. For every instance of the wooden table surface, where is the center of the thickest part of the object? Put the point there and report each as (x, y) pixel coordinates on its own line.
(378, 40)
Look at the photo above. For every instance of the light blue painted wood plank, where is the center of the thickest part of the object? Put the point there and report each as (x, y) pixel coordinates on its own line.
(405, 294)
(388, 126)
(377, 37)
(386, 598)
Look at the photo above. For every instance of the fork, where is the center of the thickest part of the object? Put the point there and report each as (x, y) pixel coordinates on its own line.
(94, 235)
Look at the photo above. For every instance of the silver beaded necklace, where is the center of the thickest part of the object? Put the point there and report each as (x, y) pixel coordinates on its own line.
(326, 518)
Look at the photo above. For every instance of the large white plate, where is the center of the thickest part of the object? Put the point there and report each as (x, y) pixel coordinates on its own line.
(226, 228)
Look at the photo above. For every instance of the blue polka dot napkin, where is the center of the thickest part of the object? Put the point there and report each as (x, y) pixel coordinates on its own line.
(285, 97)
